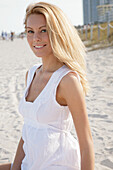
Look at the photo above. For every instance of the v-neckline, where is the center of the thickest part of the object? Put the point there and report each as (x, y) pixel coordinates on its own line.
(47, 84)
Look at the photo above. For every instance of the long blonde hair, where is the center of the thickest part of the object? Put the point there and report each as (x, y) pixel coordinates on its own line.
(64, 39)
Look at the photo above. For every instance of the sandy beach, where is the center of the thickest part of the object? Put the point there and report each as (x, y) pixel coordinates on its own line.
(15, 59)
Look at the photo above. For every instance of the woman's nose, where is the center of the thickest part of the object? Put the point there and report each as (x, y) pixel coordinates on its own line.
(37, 37)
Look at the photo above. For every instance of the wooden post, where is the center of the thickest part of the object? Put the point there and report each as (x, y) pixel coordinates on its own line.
(91, 32)
(108, 30)
(81, 31)
(98, 32)
(86, 31)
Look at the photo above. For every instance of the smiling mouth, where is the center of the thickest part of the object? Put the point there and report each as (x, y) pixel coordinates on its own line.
(39, 47)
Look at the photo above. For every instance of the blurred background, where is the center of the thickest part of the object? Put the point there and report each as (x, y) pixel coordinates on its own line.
(94, 22)
(92, 18)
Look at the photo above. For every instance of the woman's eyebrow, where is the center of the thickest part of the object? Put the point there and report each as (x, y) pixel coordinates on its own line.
(42, 26)
(39, 27)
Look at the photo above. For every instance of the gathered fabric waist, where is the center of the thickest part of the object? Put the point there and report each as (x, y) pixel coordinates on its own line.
(38, 125)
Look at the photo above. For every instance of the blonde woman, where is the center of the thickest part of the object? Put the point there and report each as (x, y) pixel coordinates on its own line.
(54, 97)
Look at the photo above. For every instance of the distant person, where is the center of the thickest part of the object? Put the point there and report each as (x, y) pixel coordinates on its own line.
(54, 97)
(3, 35)
(12, 36)
(22, 35)
(6, 36)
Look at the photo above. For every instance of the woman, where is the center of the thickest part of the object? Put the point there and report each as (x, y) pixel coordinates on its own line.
(54, 97)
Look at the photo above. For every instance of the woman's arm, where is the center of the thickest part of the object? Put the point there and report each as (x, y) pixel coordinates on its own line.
(72, 93)
(20, 152)
(19, 156)
(26, 78)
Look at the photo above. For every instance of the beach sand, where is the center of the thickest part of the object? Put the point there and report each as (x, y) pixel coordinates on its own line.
(15, 59)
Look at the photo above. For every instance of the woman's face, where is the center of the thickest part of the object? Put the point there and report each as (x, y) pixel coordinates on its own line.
(37, 35)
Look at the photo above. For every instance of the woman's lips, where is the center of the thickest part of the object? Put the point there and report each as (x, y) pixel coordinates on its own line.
(39, 46)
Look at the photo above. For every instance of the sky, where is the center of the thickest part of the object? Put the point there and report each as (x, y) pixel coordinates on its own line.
(12, 12)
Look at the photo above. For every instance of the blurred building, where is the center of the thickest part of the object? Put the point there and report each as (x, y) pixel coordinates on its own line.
(90, 11)
(97, 11)
(104, 2)
(105, 11)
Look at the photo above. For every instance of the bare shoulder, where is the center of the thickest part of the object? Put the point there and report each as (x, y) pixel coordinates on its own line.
(70, 88)
(70, 80)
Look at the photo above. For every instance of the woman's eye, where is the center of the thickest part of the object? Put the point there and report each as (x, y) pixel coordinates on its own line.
(44, 30)
(30, 31)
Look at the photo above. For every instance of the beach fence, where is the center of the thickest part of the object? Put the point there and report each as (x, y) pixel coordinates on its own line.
(88, 32)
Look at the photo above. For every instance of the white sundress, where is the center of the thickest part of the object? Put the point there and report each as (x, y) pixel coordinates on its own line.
(48, 143)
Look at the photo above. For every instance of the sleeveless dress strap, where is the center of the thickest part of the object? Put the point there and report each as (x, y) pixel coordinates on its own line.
(63, 72)
(31, 73)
